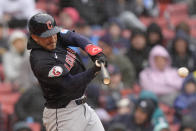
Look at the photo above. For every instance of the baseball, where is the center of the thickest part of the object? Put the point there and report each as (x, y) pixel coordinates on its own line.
(183, 72)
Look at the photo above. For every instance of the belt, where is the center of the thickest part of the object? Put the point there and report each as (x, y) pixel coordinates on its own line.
(78, 101)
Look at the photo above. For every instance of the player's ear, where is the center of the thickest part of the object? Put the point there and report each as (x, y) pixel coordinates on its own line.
(35, 38)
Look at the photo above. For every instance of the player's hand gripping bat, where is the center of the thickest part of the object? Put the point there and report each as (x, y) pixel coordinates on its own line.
(104, 72)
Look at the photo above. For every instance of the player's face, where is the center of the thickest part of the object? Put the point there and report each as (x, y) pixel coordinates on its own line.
(48, 43)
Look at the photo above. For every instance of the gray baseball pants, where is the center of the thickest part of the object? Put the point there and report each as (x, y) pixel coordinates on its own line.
(72, 118)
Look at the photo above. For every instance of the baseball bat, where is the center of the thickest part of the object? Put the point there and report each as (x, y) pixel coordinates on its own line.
(104, 72)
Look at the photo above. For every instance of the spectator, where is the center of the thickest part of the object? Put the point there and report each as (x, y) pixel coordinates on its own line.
(117, 127)
(26, 78)
(181, 53)
(21, 126)
(183, 26)
(91, 10)
(13, 59)
(93, 93)
(154, 35)
(127, 70)
(3, 40)
(113, 93)
(160, 77)
(138, 52)
(30, 104)
(114, 32)
(82, 27)
(69, 17)
(125, 106)
(158, 117)
(15, 13)
(186, 98)
(188, 124)
(140, 119)
(163, 126)
(52, 7)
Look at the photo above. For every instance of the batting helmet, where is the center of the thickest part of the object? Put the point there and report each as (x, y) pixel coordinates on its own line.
(43, 25)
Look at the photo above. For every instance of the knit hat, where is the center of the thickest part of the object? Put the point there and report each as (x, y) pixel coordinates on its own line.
(17, 34)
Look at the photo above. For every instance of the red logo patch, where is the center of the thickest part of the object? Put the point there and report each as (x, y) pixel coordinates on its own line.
(55, 71)
(49, 25)
(93, 49)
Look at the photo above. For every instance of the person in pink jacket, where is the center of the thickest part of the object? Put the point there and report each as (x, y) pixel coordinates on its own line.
(160, 77)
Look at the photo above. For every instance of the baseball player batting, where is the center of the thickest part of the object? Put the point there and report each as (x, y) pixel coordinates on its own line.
(62, 76)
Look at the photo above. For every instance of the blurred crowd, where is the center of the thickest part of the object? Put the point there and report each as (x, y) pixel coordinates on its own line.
(145, 42)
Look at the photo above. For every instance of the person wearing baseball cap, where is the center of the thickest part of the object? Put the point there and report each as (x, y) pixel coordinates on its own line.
(62, 75)
(140, 119)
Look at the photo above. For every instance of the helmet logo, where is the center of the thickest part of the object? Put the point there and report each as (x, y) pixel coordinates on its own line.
(49, 24)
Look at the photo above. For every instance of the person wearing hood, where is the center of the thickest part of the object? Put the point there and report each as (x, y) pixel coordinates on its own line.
(138, 52)
(12, 60)
(182, 55)
(184, 26)
(158, 119)
(160, 77)
(140, 119)
(187, 96)
(154, 35)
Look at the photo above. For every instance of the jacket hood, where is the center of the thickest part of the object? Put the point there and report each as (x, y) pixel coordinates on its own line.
(158, 51)
(190, 78)
(153, 27)
(180, 35)
(115, 21)
(148, 95)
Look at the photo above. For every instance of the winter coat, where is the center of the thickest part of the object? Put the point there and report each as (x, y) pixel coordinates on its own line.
(157, 81)
(12, 60)
(154, 28)
(30, 104)
(184, 100)
(128, 121)
(138, 58)
(126, 68)
(189, 60)
(158, 116)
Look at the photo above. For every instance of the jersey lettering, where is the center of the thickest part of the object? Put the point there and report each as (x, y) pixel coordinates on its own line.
(70, 59)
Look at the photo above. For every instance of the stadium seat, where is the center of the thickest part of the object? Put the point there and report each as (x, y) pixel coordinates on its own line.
(5, 88)
(179, 9)
(161, 21)
(8, 109)
(9, 98)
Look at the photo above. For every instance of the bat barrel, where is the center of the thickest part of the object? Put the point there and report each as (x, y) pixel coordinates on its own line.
(105, 74)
